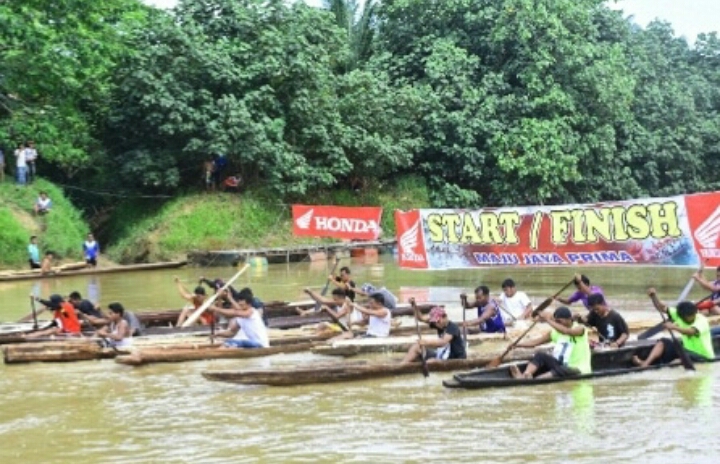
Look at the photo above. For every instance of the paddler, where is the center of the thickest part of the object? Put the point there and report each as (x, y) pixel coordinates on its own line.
(65, 321)
(515, 302)
(712, 305)
(611, 326)
(339, 306)
(571, 355)
(344, 281)
(693, 328)
(117, 334)
(448, 345)
(582, 292)
(376, 316)
(489, 319)
(85, 309)
(246, 326)
(196, 299)
(368, 289)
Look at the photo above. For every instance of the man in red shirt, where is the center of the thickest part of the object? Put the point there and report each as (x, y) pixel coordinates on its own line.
(65, 321)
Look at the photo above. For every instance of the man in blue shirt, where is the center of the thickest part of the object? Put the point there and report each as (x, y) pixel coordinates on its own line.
(91, 250)
(34, 253)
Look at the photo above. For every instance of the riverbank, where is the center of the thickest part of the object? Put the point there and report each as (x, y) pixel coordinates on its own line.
(142, 231)
(62, 231)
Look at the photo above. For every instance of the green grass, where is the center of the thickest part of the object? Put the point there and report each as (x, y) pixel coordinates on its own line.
(63, 230)
(230, 220)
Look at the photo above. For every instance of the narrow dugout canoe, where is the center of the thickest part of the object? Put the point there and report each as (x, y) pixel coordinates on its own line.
(605, 364)
(57, 352)
(72, 270)
(160, 355)
(344, 372)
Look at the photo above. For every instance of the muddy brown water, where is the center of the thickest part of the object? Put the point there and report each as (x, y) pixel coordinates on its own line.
(99, 411)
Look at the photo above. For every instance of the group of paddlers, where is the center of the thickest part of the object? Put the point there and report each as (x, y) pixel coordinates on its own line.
(247, 326)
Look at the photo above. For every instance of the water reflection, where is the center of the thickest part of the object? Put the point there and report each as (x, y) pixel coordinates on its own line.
(696, 390)
(577, 403)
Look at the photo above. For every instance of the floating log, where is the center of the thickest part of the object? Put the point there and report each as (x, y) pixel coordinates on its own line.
(160, 355)
(76, 269)
(343, 372)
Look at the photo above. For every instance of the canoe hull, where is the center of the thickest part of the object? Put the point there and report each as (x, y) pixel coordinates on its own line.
(93, 271)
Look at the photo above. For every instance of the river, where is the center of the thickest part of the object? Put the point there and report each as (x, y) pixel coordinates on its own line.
(99, 411)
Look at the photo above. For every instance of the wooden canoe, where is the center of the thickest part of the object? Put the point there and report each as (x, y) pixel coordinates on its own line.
(605, 364)
(161, 355)
(67, 351)
(62, 271)
(344, 372)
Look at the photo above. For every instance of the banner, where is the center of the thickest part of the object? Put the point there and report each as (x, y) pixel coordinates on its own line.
(675, 231)
(352, 223)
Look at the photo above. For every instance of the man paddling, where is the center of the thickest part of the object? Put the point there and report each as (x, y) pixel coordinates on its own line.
(339, 307)
(516, 303)
(377, 317)
(117, 334)
(489, 319)
(448, 345)
(197, 298)
(712, 305)
(344, 281)
(584, 290)
(610, 324)
(571, 355)
(86, 309)
(65, 321)
(693, 328)
(246, 326)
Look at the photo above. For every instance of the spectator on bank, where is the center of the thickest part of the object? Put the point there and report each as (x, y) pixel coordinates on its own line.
(91, 250)
(220, 163)
(33, 253)
(2, 165)
(43, 204)
(208, 175)
(21, 165)
(232, 182)
(47, 263)
(31, 155)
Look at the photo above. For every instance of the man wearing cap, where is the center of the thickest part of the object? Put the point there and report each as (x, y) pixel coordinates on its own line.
(571, 355)
(489, 318)
(196, 299)
(448, 345)
(65, 321)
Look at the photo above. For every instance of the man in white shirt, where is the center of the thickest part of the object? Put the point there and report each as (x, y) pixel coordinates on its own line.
(30, 157)
(21, 165)
(246, 326)
(516, 303)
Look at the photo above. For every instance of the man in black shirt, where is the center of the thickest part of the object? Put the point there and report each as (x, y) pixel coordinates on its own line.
(343, 281)
(86, 308)
(448, 345)
(610, 324)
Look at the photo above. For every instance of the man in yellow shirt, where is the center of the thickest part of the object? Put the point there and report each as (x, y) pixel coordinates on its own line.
(693, 328)
(571, 355)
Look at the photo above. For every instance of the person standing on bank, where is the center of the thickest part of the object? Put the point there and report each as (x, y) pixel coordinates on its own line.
(31, 155)
(91, 249)
(34, 253)
(21, 165)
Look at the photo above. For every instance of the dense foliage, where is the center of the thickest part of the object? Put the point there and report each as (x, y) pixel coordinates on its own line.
(493, 102)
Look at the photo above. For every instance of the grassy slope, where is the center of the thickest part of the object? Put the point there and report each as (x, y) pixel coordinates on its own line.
(62, 231)
(226, 221)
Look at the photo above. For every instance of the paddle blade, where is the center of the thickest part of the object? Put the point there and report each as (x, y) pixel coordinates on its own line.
(652, 331)
(684, 356)
(425, 370)
(494, 363)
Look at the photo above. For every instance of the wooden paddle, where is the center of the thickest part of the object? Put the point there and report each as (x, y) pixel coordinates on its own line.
(548, 301)
(423, 361)
(682, 353)
(207, 303)
(34, 313)
(463, 304)
(327, 284)
(652, 331)
(338, 321)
